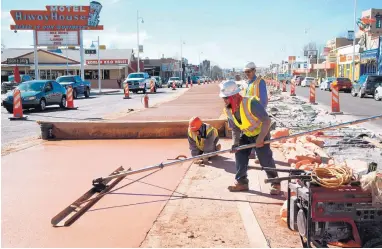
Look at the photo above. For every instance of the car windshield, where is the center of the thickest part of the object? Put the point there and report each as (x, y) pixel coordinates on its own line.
(65, 79)
(31, 86)
(343, 80)
(135, 76)
(309, 78)
(374, 79)
(174, 78)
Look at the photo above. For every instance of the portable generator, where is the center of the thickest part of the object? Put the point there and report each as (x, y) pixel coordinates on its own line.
(325, 215)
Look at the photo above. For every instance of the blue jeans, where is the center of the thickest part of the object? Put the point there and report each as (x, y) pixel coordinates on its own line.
(264, 155)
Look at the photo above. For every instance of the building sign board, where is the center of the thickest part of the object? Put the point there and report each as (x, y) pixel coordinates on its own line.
(58, 38)
(291, 59)
(107, 62)
(17, 61)
(58, 18)
(90, 51)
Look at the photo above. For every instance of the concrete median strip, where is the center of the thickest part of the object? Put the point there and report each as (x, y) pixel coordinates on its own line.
(121, 129)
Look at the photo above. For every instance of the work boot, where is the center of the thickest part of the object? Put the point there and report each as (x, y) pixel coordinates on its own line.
(218, 147)
(252, 156)
(275, 189)
(237, 187)
(257, 161)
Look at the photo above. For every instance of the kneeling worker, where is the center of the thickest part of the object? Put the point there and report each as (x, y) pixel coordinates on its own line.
(250, 123)
(202, 138)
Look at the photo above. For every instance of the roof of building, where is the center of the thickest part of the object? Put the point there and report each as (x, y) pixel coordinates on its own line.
(107, 54)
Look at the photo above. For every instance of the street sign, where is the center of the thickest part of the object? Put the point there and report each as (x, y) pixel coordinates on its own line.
(17, 61)
(90, 51)
(58, 38)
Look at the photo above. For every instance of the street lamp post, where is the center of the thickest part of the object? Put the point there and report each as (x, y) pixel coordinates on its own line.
(138, 18)
(354, 21)
(181, 59)
(99, 65)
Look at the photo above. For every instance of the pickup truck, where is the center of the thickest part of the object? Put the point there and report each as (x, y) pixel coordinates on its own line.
(138, 82)
(11, 84)
(79, 86)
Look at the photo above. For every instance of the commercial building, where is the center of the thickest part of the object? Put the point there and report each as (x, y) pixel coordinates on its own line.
(345, 62)
(114, 64)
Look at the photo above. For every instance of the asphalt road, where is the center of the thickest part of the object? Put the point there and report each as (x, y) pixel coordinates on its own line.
(97, 107)
(361, 108)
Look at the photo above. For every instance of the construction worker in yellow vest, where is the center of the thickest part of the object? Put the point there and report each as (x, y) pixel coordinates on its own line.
(202, 138)
(250, 124)
(256, 87)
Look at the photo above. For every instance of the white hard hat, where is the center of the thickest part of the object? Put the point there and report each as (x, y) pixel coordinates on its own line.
(228, 88)
(250, 65)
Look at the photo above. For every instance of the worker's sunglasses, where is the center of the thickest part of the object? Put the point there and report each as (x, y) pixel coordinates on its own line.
(248, 71)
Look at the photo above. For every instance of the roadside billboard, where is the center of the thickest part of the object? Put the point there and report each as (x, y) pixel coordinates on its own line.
(58, 17)
(58, 38)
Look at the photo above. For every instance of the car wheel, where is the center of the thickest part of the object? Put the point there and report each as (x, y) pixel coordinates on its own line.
(9, 110)
(360, 94)
(144, 90)
(63, 102)
(87, 93)
(376, 96)
(353, 92)
(155, 90)
(42, 105)
(347, 91)
(74, 93)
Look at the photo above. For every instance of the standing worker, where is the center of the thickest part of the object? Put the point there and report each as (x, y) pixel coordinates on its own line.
(202, 138)
(250, 123)
(256, 87)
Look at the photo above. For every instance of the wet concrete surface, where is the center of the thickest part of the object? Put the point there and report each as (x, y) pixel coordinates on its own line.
(39, 182)
(202, 101)
(361, 108)
(97, 107)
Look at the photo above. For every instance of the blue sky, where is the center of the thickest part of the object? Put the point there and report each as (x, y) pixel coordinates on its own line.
(229, 33)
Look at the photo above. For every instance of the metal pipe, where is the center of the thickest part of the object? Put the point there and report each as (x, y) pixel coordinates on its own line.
(243, 147)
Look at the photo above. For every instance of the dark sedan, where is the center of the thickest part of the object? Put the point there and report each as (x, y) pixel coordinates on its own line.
(38, 94)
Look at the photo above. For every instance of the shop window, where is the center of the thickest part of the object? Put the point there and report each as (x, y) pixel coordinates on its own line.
(106, 74)
(378, 21)
(91, 74)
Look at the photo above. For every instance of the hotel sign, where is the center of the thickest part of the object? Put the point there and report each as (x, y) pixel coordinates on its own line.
(58, 18)
(58, 38)
(107, 62)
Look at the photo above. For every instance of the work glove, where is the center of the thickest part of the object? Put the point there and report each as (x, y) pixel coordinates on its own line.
(234, 148)
(199, 161)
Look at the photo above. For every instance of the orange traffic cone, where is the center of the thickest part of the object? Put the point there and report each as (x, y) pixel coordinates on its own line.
(284, 86)
(69, 98)
(186, 83)
(293, 89)
(17, 106)
(312, 96)
(152, 86)
(191, 83)
(127, 91)
(199, 82)
(335, 100)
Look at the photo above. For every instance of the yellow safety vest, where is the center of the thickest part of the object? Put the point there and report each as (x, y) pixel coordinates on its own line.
(250, 124)
(200, 143)
(254, 89)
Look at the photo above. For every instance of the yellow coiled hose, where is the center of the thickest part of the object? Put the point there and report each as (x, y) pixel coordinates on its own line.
(332, 177)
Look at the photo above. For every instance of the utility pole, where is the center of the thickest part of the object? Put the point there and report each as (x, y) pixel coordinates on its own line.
(354, 21)
(138, 18)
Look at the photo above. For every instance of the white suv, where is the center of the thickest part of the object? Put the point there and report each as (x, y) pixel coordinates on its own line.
(307, 81)
(138, 82)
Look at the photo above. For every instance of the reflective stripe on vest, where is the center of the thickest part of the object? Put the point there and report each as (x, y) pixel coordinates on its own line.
(254, 89)
(250, 125)
(200, 143)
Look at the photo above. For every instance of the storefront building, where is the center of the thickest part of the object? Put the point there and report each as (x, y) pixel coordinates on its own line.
(114, 64)
(369, 62)
(345, 60)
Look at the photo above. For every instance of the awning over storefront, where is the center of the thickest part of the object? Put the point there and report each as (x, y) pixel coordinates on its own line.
(369, 54)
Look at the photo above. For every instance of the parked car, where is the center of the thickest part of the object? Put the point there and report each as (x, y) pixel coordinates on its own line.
(366, 85)
(378, 93)
(297, 80)
(344, 84)
(307, 81)
(38, 94)
(11, 84)
(159, 82)
(79, 86)
(178, 82)
(325, 85)
(194, 79)
(138, 82)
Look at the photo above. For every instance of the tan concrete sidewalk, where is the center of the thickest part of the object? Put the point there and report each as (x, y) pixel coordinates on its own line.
(202, 101)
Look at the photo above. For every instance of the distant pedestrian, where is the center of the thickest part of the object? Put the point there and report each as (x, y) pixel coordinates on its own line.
(119, 81)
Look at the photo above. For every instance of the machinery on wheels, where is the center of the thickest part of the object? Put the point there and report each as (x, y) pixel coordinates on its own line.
(325, 215)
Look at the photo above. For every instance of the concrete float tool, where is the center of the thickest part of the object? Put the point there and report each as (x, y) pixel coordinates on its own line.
(101, 185)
